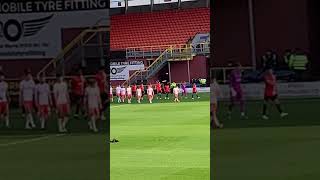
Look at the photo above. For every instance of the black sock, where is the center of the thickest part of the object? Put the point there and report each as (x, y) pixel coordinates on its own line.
(230, 107)
(264, 109)
(279, 108)
(77, 109)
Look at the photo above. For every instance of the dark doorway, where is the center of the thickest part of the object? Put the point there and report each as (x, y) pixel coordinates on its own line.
(163, 75)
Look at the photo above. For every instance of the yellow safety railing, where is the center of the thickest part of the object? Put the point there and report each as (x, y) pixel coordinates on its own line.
(174, 53)
(179, 49)
(136, 73)
(74, 42)
(160, 48)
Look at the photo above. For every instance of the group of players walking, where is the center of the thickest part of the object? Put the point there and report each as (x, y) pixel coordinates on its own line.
(127, 93)
(237, 95)
(37, 100)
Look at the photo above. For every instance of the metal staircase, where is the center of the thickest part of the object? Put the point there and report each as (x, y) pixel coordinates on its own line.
(89, 44)
(151, 70)
(163, 54)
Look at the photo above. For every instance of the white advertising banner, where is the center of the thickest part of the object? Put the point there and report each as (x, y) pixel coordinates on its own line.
(285, 90)
(199, 89)
(119, 71)
(31, 29)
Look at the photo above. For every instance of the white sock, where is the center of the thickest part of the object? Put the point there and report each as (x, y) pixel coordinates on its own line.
(90, 125)
(7, 120)
(93, 122)
(42, 120)
(60, 125)
(216, 121)
(65, 121)
(31, 120)
(27, 125)
(102, 116)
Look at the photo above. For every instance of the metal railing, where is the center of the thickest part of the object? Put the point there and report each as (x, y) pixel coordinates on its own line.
(180, 51)
(145, 73)
(81, 40)
(221, 73)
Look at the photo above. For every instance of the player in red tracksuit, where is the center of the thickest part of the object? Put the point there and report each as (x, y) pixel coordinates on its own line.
(142, 90)
(271, 94)
(101, 81)
(134, 89)
(159, 90)
(167, 91)
(77, 86)
(195, 91)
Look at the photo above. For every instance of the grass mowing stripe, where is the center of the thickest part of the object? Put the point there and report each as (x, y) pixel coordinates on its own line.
(161, 141)
(278, 148)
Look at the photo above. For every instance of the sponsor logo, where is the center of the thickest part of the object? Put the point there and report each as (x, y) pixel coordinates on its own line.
(117, 70)
(12, 30)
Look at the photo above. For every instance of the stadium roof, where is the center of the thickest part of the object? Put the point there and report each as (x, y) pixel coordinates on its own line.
(121, 3)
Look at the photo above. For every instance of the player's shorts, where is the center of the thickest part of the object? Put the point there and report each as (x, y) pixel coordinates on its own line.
(139, 95)
(3, 107)
(94, 112)
(159, 91)
(194, 92)
(44, 110)
(129, 96)
(118, 94)
(150, 96)
(28, 105)
(270, 98)
(123, 96)
(63, 109)
(176, 95)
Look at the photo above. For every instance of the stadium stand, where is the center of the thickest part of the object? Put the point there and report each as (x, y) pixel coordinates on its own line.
(158, 28)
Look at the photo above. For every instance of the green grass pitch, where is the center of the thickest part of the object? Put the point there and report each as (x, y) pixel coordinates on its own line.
(37, 155)
(168, 141)
(161, 141)
(277, 149)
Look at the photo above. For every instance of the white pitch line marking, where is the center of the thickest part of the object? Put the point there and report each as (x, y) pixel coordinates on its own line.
(115, 106)
(30, 140)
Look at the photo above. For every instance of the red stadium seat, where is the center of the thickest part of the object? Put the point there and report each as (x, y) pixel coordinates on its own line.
(158, 28)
